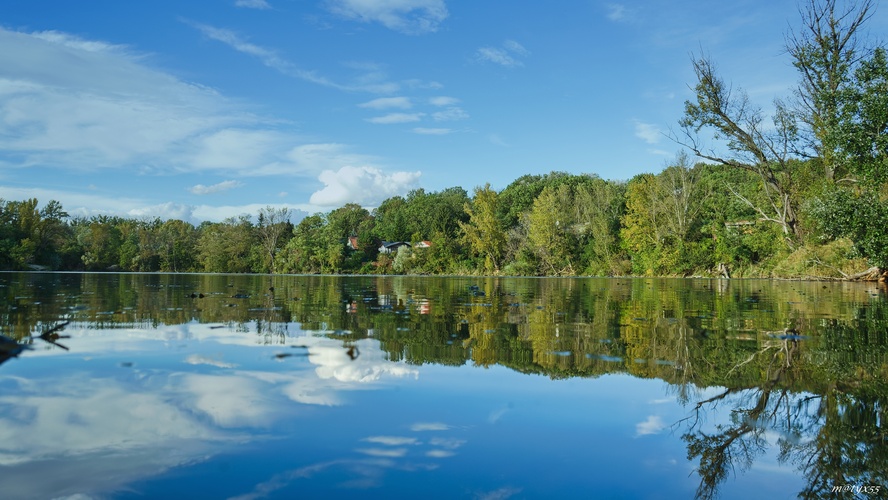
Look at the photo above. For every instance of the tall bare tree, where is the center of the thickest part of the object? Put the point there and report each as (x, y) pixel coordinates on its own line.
(746, 141)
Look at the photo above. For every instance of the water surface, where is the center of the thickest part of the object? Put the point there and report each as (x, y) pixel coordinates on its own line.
(222, 386)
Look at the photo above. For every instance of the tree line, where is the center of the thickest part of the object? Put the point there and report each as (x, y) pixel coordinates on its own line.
(804, 194)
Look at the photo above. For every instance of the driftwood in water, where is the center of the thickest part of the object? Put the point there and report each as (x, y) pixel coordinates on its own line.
(872, 274)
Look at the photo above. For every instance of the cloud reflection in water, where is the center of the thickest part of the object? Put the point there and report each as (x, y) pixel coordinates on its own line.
(99, 428)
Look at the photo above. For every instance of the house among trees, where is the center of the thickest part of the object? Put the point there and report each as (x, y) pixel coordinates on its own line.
(392, 246)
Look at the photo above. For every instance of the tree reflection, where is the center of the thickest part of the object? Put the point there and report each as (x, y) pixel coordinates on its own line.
(814, 391)
(736, 445)
(828, 411)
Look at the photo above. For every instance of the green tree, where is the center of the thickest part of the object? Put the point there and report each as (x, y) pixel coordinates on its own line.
(825, 51)
(177, 241)
(483, 232)
(863, 130)
(642, 233)
(226, 247)
(599, 206)
(306, 252)
(548, 230)
(100, 239)
(392, 220)
(861, 213)
(749, 142)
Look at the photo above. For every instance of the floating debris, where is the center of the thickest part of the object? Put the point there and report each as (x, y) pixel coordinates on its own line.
(353, 352)
(52, 336)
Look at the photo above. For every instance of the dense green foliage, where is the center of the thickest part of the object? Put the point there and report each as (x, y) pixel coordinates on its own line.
(686, 220)
(806, 195)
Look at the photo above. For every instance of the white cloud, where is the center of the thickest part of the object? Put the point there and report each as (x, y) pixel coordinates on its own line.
(73, 102)
(252, 4)
(99, 106)
(230, 401)
(240, 150)
(215, 188)
(325, 156)
(648, 132)
(449, 443)
(452, 113)
(88, 205)
(440, 453)
(443, 100)
(168, 210)
(366, 186)
(392, 118)
(391, 440)
(517, 48)
(383, 452)
(616, 12)
(197, 359)
(388, 103)
(429, 426)
(498, 56)
(412, 17)
(432, 131)
(652, 425)
(366, 82)
(507, 55)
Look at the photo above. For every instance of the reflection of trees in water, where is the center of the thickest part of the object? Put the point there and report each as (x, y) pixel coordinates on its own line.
(757, 410)
(836, 436)
(820, 395)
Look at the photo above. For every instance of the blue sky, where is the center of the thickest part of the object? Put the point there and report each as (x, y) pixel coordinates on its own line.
(206, 110)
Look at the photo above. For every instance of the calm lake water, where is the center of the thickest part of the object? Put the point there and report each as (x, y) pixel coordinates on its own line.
(249, 387)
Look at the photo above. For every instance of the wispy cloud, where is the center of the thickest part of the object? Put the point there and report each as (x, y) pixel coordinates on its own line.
(515, 47)
(452, 113)
(383, 452)
(648, 132)
(388, 103)
(392, 118)
(252, 4)
(432, 131)
(391, 440)
(615, 11)
(270, 58)
(197, 359)
(499, 494)
(509, 54)
(440, 453)
(88, 104)
(429, 426)
(620, 13)
(412, 17)
(443, 100)
(200, 189)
